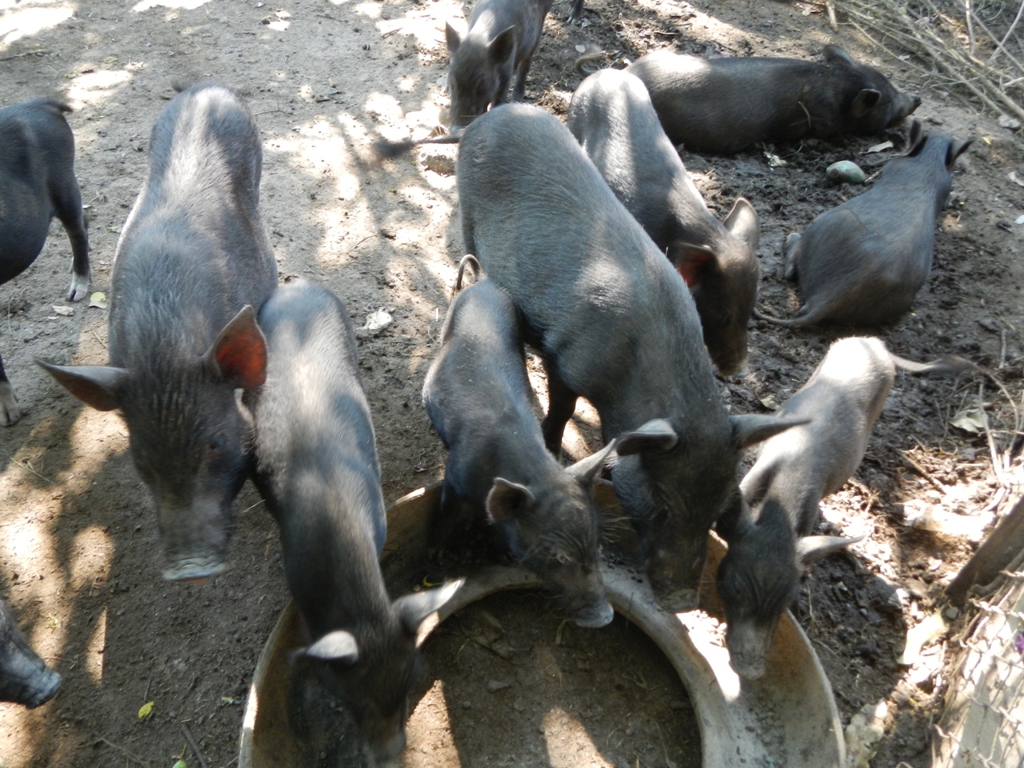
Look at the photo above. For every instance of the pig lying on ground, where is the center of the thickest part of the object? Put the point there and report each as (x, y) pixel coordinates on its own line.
(502, 38)
(612, 117)
(724, 105)
(759, 577)
(615, 323)
(863, 262)
(37, 182)
(479, 400)
(24, 677)
(316, 466)
(192, 262)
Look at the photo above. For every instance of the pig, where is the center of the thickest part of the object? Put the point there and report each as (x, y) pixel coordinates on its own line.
(612, 117)
(616, 324)
(724, 105)
(502, 38)
(37, 174)
(769, 549)
(863, 262)
(316, 467)
(24, 677)
(192, 263)
(479, 399)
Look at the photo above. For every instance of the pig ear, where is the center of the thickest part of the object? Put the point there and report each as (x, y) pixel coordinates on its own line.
(656, 435)
(240, 352)
(508, 501)
(96, 385)
(339, 646)
(865, 101)
(810, 549)
(585, 470)
(743, 223)
(956, 149)
(503, 46)
(833, 54)
(692, 261)
(453, 37)
(416, 608)
(752, 428)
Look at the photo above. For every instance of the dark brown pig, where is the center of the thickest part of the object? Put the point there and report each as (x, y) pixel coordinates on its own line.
(863, 262)
(612, 117)
(724, 105)
(759, 577)
(24, 677)
(316, 466)
(502, 38)
(616, 324)
(479, 400)
(37, 182)
(192, 263)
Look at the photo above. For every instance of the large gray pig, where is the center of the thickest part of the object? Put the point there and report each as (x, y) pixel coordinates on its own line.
(24, 677)
(612, 117)
(616, 324)
(37, 182)
(316, 466)
(479, 400)
(502, 38)
(863, 262)
(759, 577)
(192, 263)
(724, 105)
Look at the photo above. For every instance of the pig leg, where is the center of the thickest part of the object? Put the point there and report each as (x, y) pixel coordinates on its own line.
(69, 210)
(576, 12)
(561, 405)
(791, 249)
(9, 410)
(519, 92)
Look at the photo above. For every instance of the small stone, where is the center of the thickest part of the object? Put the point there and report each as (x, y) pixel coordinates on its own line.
(467, 705)
(497, 685)
(1009, 122)
(846, 172)
(952, 612)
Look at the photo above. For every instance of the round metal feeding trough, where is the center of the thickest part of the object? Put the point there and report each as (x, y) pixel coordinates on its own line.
(787, 718)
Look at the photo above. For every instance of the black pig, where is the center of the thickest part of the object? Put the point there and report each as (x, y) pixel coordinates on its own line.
(192, 262)
(316, 466)
(37, 175)
(725, 105)
(479, 400)
(616, 325)
(24, 677)
(612, 117)
(768, 551)
(863, 262)
(502, 38)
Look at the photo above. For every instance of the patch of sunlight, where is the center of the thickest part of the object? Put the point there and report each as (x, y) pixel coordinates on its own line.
(429, 733)
(183, 5)
(91, 554)
(569, 745)
(25, 22)
(97, 86)
(97, 648)
(369, 10)
(24, 544)
(708, 636)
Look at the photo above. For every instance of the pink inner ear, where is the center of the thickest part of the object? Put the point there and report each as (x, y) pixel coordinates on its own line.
(690, 264)
(242, 358)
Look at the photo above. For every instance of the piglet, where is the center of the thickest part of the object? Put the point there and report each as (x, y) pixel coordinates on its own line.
(612, 117)
(770, 547)
(478, 398)
(863, 262)
(37, 179)
(316, 466)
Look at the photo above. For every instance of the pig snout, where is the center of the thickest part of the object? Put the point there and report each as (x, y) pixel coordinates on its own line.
(595, 612)
(675, 575)
(195, 540)
(386, 739)
(748, 645)
(903, 106)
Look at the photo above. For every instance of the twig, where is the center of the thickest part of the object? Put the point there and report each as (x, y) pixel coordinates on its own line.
(921, 471)
(131, 756)
(27, 467)
(24, 54)
(999, 45)
(195, 747)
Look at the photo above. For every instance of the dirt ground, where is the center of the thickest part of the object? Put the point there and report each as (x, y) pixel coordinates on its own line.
(78, 540)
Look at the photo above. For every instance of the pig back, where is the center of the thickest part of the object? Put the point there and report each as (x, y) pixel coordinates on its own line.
(594, 291)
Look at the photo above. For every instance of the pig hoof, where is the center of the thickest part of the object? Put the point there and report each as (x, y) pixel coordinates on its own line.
(79, 287)
(10, 413)
(194, 569)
